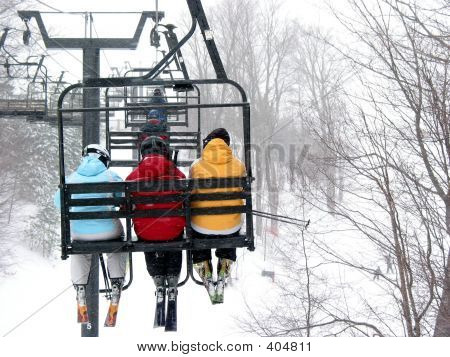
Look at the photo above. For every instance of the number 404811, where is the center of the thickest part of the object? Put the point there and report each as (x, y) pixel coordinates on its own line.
(289, 346)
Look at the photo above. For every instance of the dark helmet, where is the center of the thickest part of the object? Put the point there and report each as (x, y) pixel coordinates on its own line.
(219, 133)
(98, 151)
(155, 145)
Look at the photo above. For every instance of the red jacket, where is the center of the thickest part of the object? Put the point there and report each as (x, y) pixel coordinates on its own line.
(157, 167)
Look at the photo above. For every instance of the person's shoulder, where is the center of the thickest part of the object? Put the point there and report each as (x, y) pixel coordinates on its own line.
(113, 176)
(133, 175)
(196, 162)
(74, 177)
(178, 173)
(238, 163)
(193, 169)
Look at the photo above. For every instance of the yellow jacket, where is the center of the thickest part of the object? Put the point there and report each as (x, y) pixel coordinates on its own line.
(217, 161)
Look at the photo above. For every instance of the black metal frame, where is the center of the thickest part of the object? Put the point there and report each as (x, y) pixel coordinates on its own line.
(126, 189)
(128, 201)
(129, 140)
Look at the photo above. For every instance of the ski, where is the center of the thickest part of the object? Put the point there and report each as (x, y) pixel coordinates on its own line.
(220, 288)
(204, 271)
(223, 273)
(111, 317)
(160, 311)
(171, 318)
(211, 289)
(116, 290)
(82, 312)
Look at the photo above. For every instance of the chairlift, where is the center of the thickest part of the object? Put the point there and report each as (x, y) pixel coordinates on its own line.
(184, 187)
(33, 105)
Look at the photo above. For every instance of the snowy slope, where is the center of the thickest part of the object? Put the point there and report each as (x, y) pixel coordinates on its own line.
(41, 296)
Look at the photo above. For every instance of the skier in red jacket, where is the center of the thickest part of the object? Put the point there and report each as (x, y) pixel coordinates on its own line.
(163, 266)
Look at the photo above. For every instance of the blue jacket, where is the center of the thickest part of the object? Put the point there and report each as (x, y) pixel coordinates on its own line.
(92, 169)
(160, 113)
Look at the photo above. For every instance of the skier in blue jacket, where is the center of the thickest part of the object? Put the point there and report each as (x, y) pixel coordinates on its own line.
(158, 98)
(94, 168)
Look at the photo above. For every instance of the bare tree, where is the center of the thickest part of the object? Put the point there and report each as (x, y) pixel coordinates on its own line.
(410, 58)
(386, 132)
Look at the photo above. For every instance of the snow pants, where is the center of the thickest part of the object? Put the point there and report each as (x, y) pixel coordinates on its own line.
(163, 263)
(81, 266)
(205, 254)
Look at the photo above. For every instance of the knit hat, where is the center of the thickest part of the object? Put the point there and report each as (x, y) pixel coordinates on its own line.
(219, 133)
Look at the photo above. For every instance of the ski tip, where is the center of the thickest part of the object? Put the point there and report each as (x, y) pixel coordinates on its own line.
(212, 298)
(111, 318)
(82, 315)
(160, 317)
(216, 301)
(110, 323)
(159, 323)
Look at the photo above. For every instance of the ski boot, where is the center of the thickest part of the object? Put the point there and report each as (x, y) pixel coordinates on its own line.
(204, 271)
(82, 313)
(223, 272)
(171, 320)
(116, 290)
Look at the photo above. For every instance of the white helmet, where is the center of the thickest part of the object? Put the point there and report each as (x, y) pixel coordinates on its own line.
(99, 151)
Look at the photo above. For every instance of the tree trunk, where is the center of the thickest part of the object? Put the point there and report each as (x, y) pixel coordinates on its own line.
(442, 327)
(273, 190)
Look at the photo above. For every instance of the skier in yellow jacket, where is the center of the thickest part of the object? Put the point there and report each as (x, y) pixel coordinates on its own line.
(217, 161)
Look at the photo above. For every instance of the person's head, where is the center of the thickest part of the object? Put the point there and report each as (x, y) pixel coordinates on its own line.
(219, 133)
(157, 92)
(153, 115)
(98, 152)
(155, 145)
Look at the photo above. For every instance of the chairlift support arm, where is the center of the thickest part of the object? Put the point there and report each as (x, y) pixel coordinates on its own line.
(197, 11)
(172, 42)
(77, 43)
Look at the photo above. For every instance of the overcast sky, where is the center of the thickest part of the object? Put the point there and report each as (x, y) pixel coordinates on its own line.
(68, 25)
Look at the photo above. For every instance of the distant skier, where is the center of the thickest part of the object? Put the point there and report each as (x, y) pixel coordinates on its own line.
(153, 127)
(164, 266)
(94, 168)
(159, 98)
(217, 160)
(389, 263)
(377, 274)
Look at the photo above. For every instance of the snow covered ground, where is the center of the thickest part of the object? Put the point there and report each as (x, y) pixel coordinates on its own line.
(39, 296)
